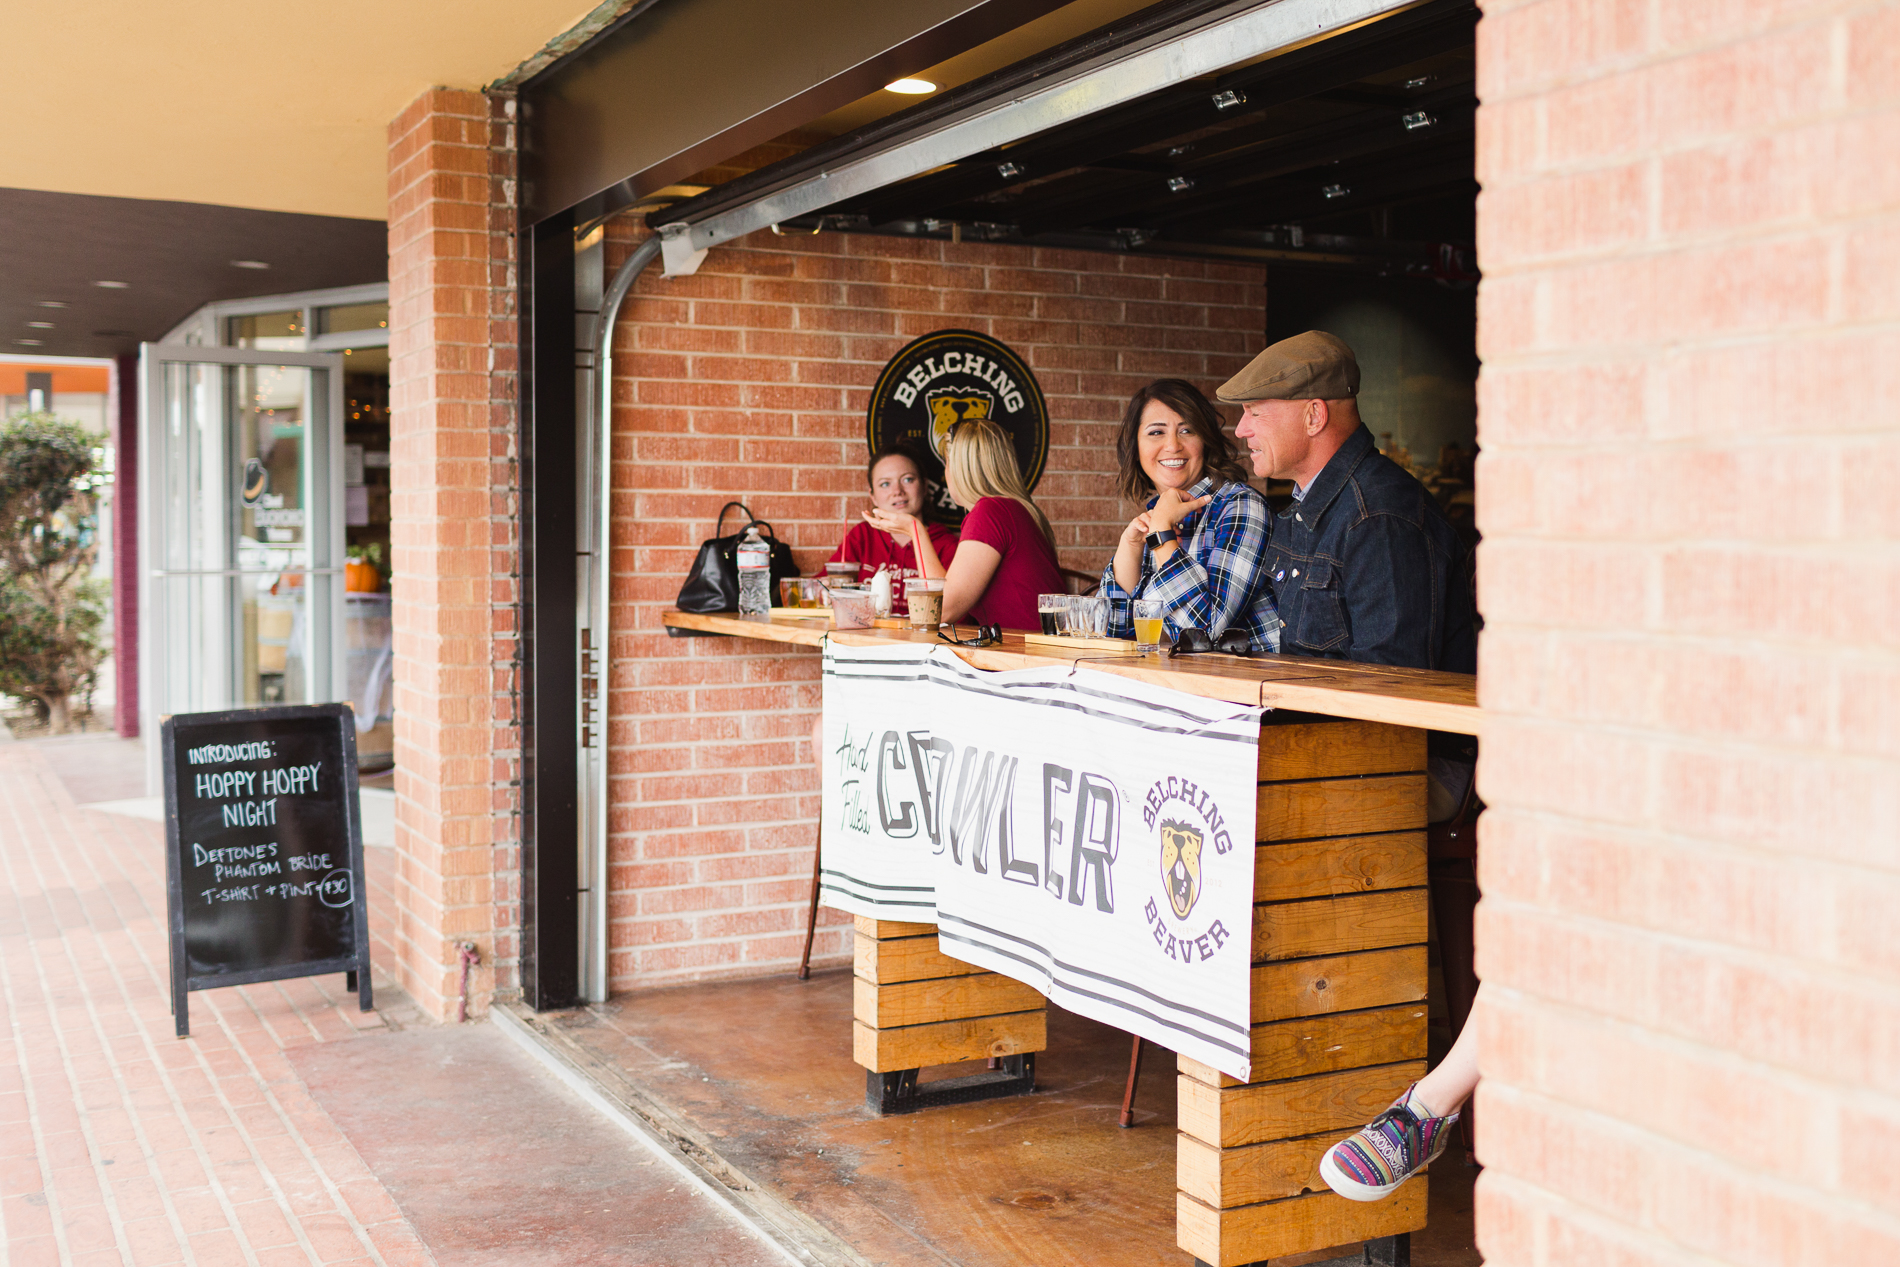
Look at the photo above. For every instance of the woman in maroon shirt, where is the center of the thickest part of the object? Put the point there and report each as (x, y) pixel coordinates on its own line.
(1006, 552)
(897, 495)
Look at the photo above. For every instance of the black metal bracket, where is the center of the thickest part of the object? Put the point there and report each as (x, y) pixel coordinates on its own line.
(900, 1092)
(674, 631)
(1381, 1251)
(1390, 1251)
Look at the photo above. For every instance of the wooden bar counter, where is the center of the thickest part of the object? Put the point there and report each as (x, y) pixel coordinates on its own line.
(1339, 938)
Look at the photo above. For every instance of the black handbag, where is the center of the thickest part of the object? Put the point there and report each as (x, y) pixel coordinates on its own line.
(713, 583)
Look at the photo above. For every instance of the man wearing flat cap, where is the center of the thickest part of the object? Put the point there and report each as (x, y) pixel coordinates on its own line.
(1364, 564)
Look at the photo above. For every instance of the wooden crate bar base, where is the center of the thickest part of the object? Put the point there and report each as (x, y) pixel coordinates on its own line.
(1274, 1229)
(1338, 990)
(914, 1006)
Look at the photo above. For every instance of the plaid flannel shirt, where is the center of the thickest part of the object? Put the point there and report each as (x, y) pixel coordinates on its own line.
(1216, 578)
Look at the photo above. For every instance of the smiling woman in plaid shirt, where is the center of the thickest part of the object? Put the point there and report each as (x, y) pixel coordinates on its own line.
(1201, 544)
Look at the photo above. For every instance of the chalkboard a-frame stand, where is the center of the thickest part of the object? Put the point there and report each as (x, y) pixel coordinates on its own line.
(264, 849)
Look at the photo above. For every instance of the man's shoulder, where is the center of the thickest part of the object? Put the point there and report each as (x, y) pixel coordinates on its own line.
(1386, 487)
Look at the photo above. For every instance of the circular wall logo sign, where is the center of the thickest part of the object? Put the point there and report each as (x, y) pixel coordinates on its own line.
(945, 378)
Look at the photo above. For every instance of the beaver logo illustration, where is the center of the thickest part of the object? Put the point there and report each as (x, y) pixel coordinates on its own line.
(951, 406)
(1181, 865)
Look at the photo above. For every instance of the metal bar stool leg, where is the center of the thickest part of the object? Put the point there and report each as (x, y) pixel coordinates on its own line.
(811, 919)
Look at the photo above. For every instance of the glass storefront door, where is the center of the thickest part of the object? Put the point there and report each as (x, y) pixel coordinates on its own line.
(243, 554)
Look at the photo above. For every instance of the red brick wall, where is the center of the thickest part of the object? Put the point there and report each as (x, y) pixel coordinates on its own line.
(453, 476)
(1690, 228)
(750, 380)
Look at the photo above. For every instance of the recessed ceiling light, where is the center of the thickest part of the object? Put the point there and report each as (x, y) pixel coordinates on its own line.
(39, 325)
(112, 285)
(910, 87)
(51, 303)
(28, 343)
(249, 264)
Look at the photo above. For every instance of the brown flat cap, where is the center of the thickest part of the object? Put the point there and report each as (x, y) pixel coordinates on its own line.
(1310, 366)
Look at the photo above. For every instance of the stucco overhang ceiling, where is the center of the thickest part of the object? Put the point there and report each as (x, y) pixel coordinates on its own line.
(155, 145)
(277, 107)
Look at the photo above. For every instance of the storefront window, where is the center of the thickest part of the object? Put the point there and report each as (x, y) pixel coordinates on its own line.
(353, 317)
(268, 331)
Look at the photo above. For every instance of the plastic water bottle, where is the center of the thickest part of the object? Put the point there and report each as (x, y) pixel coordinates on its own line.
(755, 574)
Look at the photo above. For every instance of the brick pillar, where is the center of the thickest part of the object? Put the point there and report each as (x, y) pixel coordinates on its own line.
(1690, 229)
(454, 499)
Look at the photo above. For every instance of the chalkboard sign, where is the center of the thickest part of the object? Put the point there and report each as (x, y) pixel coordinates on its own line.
(264, 858)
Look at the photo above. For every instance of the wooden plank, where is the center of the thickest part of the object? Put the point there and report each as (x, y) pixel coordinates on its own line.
(882, 928)
(946, 1042)
(1261, 1111)
(944, 999)
(905, 959)
(1225, 1177)
(1336, 925)
(1321, 1044)
(1339, 807)
(1328, 750)
(1338, 983)
(1341, 864)
(803, 632)
(1257, 1233)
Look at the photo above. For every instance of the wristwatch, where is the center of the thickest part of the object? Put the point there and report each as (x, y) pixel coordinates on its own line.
(1155, 539)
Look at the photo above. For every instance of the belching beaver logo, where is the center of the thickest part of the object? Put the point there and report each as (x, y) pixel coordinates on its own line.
(1187, 823)
(948, 407)
(1181, 865)
(952, 376)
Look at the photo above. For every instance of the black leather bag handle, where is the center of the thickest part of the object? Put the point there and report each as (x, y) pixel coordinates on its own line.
(719, 529)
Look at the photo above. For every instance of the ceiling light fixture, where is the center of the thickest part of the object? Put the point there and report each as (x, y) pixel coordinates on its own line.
(39, 325)
(910, 87)
(1009, 171)
(249, 264)
(28, 343)
(1334, 191)
(1229, 99)
(51, 303)
(1180, 184)
(1417, 119)
(112, 285)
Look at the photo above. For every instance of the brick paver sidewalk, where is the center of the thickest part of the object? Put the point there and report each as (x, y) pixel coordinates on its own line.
(120, 1143)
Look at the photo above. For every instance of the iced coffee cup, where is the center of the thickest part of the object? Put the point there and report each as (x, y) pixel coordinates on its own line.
(924, 595)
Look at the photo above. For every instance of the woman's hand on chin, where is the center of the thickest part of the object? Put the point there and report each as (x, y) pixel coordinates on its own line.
(1171, 508)
(896, 522)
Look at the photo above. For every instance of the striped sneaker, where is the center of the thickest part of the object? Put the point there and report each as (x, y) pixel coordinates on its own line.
(1387, 1151)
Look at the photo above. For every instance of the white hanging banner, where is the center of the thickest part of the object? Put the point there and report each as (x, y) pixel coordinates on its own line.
(880, 766)
(1086, 834)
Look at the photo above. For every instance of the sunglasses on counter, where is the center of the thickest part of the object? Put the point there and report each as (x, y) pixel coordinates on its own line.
(986, 636)
(1231, 642)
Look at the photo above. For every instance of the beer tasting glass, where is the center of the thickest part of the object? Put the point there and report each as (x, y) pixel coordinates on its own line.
(1148, 613)
(1052, 608)
(1089, 615)
(801, 591)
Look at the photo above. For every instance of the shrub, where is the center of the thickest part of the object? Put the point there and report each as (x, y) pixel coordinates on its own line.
(51, 611)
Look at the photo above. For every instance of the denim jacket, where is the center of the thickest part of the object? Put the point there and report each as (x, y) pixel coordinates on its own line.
(1366, 567)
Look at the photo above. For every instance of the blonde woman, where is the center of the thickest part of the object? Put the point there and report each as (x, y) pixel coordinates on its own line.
(1006, 554)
